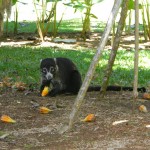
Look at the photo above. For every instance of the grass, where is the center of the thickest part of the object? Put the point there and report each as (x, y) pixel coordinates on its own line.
(73, 25)
(22, 64)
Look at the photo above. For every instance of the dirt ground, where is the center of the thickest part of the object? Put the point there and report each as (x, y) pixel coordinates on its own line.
(34, 130)
(28, 39)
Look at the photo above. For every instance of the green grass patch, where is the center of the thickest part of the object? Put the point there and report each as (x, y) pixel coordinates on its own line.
(73, 25)
(22, 64)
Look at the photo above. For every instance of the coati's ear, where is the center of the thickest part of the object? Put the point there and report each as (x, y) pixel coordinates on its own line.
(41, 60)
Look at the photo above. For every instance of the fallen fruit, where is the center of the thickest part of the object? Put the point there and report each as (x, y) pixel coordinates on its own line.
(142, 108)
(45, 91)
(7, 119)
(44, 110)
(146, 96)
(89, 118)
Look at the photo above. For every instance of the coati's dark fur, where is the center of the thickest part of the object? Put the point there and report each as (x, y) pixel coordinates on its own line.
(62, 74)
(64, 77)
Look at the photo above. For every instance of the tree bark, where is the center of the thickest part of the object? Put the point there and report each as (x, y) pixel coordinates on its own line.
(1, 24)
(115, 46)
(80, 97)
(136, 54)
(5, 5)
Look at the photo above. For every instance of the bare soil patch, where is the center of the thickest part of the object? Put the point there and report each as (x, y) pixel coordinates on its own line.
(28, 39)
(33, 130)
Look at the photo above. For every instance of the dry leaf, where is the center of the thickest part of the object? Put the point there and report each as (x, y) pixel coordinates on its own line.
(119, 122)
(20, 86)
(45, 91)
(1, 84)
(7, 119)
(143, 108)
(147, 126)
(89, 118)
(2, 137)
(7, 82)
(44, 110)
(146, 96)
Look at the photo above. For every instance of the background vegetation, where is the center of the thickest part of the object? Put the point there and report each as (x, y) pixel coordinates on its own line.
(47, 21)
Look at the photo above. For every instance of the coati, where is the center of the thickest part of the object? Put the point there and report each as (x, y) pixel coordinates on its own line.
(64, 77)
(62, 74)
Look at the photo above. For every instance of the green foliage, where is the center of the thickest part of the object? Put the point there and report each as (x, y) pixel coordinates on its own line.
(22, 64)
(146, 18)
(144, 8)
(51, 21)
(131, 5)
(84, 6)
(53, 0)
(14, 2)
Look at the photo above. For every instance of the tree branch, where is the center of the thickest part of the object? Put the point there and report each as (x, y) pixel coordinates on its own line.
(80, 97)
(115, 46)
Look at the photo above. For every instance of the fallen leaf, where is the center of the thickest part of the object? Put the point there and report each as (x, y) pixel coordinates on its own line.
(20, 86)
(89, 118)
(2, 137)
(45, 91)
(119, 122)
(142, 108)
(34, 104)
(7, 82)
(7, 119)
(1, 84)
(44, 110)
(146, 96)
(147, 126)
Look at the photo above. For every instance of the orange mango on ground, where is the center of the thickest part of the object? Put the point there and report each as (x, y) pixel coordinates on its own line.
(146, 96)
(7, 119)
(142, 108)
(45, 91)
(89, 118)
(44, 110)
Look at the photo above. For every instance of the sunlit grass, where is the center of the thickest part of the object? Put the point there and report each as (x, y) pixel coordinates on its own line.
(22, 64)
(73, 25)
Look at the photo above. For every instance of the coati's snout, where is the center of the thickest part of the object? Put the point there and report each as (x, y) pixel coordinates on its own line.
(48, 73)
(48, 69)
(49, 76)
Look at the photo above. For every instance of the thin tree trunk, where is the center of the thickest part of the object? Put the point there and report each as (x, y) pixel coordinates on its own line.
(136, 54)
(80, 97)
(115, 46)
(1, 24)
(5, 6)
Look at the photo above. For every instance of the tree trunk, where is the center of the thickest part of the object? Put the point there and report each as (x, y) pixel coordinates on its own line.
(1, 24)
(115, 46)
(5, 5)
(80, 97)
(136, 54)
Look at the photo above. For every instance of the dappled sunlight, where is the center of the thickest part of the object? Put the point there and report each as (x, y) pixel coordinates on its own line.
(15, 43)
(128, 38)
(144, 62)
(127, 42)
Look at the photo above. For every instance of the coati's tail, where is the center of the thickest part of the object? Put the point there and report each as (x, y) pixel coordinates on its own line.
(116, 88)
